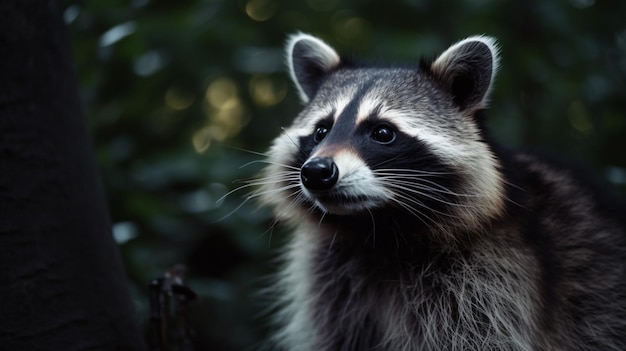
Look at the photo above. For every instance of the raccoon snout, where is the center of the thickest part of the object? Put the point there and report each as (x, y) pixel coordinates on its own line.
(319, 173)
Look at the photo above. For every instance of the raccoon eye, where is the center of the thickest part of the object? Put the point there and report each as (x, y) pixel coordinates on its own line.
(384, 134)
(320, 133)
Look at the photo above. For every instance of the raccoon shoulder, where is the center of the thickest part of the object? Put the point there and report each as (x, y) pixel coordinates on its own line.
(560, 182)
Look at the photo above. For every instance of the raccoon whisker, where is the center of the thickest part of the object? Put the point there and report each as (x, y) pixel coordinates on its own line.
(250, 163)
(272, 191)
(406, 171)
(262, 154)
(269, 180)
(412, 170)
(390, 160)
(250, 197)
(396, 234)
(270, 163)
(288, 175)
(413, 189)
(373, 231)
(417, 191)
(295, 143)
(270, 231)
(319, 224)
(506, 198)
(416, 213)
(409, 172)
(435, 184)
(254, 183)
(330, 246)
(442, 190)
(298, 199)
(233, 211)
(412, 180)
(398, 199)
(312, 208)
(291, 179)
(421, 204)
(507, 182)
(223, 197)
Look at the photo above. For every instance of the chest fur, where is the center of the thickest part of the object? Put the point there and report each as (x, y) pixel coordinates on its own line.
(372, 298)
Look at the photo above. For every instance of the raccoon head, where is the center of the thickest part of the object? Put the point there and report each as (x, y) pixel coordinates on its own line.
(373, 139)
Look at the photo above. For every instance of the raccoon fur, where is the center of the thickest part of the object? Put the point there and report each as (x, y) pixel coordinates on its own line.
(414, 231)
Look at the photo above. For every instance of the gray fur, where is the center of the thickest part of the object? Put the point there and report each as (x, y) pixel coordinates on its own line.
(502, 251)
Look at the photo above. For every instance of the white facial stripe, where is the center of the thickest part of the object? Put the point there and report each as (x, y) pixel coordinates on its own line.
(340, 105)
(368, 105)
(348, 163)
(307, 126)
(355, 177)
(318, 113)
(436, 140)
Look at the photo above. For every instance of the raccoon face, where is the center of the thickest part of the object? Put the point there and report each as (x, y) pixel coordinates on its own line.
(372, 138)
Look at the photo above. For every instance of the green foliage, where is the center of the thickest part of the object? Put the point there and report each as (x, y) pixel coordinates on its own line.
(176, 91)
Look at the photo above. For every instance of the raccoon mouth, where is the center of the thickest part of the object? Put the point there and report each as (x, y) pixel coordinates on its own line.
(341, 204)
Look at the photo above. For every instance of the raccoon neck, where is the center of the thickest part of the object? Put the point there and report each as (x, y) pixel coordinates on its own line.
(394, 231)
(378, 280)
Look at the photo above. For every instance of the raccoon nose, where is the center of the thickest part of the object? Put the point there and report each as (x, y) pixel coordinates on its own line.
(319, 173)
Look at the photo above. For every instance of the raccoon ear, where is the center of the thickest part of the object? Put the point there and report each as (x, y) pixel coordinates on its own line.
(309, 59)
(468, 68)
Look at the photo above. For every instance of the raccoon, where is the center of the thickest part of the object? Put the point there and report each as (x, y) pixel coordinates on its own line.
(415, 231)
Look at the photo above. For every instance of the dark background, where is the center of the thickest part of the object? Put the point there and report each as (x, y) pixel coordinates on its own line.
(180, 95)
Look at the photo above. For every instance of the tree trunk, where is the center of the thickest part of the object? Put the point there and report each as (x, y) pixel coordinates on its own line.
(62, 282)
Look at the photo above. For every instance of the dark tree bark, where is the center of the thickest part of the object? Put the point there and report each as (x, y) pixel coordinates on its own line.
(62, 282)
